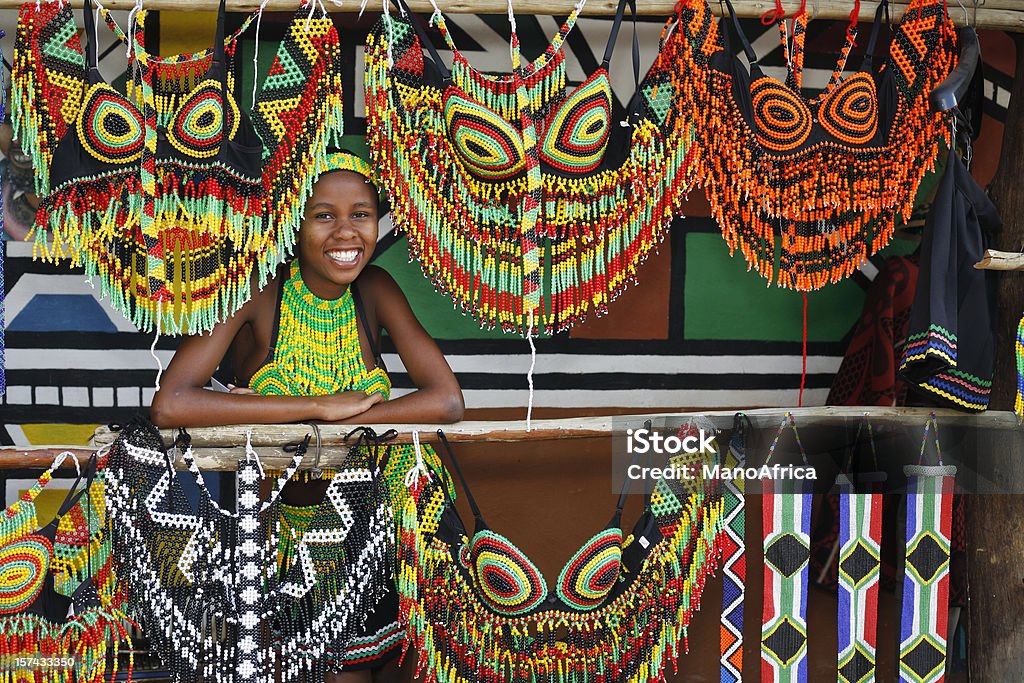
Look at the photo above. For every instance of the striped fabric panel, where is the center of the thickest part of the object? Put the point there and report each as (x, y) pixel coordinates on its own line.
(860, 539)
(923, 621)
(786, 517)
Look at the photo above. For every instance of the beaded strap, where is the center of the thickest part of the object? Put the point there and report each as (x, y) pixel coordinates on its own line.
(931, 425)
(287, 474)
(1018, 348)
(788, 422)
(229, 41)
(533, 67)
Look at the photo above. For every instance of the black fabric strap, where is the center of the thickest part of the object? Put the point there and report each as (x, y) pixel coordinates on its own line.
(373, 442)
(74, 493)
(91, 62)
(219, 58)
(220, 61)
(375, 342)
(465, 485)
(851, 458)
(747, 49)
(626, 485)
(281, 281)
(648, 486)
(869, 53)
(613, 36)
(424, 39)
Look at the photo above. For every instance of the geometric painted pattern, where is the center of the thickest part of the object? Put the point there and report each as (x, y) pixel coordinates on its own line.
(734, 562)
(860, 537)
(786, 526)
(923, 622)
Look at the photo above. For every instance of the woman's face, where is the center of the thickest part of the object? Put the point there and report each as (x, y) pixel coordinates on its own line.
(338, 233)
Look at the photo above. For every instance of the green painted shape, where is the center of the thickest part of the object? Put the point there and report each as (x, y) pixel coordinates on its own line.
(434, 310)
(357, 145)
(725, 301)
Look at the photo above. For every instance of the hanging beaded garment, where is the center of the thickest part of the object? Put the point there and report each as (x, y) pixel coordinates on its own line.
(462, 638)
(25, 558)
(831, 174)
(183, 567)
(33, 563)
(734, 561)
(174, 241)
(523, 202)
(83, 568)
(924, 622)
(332, 563)
(213, 580)
(786, 536)
(859, 548)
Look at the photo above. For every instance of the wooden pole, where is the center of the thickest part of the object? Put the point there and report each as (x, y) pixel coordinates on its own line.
(995, 523)
(997, 14)
(219, 448)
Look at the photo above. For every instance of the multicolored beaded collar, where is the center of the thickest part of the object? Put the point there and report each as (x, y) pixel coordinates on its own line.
(520, 199)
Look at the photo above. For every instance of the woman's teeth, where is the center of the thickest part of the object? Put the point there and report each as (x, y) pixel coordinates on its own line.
(344, 257)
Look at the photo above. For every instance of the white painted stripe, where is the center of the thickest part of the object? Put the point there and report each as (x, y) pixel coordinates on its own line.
(84, 359)
(17, 435)
(633, 398)
(517, 398)
(497, 364)
(630, 364)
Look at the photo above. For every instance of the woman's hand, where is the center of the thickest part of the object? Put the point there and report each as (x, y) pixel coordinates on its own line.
(345, 404)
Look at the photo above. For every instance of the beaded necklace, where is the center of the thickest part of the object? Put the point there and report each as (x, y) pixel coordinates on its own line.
(317, 350)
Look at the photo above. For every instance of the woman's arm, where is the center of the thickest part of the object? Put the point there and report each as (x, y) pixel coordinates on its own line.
(438, 397)
(183, 402)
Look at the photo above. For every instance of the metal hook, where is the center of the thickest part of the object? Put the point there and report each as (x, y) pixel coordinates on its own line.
(966, 19)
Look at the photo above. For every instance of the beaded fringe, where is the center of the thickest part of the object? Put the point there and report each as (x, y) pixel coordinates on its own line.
(632, 639)
(592, 233)
(204, 229)
(830, 221)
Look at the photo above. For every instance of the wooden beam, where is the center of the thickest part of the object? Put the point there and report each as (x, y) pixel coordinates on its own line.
(997, 14)
(219, 448)
(1001, 260)
(573, 428)
(15, 457)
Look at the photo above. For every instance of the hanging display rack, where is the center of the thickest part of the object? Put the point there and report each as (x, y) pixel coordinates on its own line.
(218, 446)
(1007, 15)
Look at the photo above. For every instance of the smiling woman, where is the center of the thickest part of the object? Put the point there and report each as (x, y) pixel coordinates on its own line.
(307, 347)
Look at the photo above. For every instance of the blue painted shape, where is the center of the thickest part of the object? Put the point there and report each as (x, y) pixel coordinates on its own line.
(62, 313)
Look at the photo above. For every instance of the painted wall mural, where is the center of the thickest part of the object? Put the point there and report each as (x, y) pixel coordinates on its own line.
(696, 330)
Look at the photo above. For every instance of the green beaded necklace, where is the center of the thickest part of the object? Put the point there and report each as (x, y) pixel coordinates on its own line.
(317, 350)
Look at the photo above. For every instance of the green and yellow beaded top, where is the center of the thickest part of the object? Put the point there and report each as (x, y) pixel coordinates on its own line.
(317, 348)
